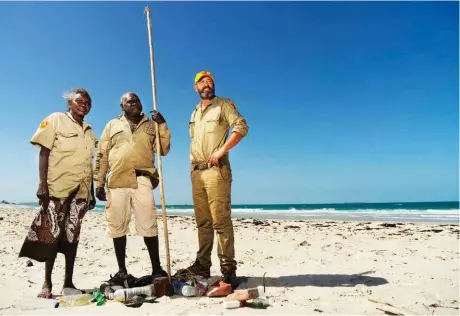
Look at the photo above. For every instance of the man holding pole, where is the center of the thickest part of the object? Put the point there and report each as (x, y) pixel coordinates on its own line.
(126, 152)
(211, 177)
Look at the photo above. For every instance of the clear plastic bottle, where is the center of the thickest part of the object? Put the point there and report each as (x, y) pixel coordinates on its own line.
(123, 295)
(259, 302)
(232, 304)
(184, 289)
(262, 300)
(74, 300)
(188, 290)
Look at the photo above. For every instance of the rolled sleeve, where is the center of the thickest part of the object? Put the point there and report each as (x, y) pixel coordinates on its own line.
(236, 121)
(46, 133)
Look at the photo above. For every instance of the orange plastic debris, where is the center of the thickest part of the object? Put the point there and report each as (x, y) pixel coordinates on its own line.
(219, 289)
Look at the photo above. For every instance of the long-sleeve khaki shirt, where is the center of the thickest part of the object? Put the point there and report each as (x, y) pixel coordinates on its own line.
(209, 129)
(121, 152)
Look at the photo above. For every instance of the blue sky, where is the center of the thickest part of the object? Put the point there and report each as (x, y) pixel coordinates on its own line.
(345, 101)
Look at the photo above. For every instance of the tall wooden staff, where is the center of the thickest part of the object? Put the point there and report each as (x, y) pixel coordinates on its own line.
(160, 172)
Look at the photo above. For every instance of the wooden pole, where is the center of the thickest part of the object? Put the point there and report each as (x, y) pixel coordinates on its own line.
(160, 172)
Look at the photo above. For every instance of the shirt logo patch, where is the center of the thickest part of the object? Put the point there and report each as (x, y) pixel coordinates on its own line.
(44, 124)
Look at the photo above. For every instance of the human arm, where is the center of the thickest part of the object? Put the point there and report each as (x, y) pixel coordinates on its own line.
(92, 202)
(102, 164)
(239, 128)
(231, 142)
(164, 133)
(42, 191)
(44, 139)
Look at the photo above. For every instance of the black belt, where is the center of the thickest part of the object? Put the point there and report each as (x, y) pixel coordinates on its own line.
(142, 173)
(203, 166)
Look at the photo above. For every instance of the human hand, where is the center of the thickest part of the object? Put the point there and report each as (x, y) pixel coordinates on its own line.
(157, 117)
(92, 203)
(43, 194)
(214, 159)
(100, 194)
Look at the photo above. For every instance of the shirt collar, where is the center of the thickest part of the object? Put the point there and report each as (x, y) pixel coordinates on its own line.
(213, 101)
(124, 119)
(85, 125)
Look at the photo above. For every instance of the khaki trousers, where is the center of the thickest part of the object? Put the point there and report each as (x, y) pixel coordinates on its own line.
(211, 189)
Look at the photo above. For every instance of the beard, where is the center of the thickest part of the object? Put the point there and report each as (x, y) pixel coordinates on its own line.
(206, 93)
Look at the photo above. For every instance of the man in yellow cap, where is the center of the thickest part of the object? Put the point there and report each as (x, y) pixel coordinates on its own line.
(211, 176)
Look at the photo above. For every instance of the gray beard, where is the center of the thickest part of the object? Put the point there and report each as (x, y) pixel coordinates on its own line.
(207, 95)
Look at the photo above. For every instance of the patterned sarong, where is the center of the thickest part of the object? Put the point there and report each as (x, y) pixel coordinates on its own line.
(54, 228)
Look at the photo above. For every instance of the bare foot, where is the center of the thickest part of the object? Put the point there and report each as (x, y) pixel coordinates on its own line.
(45, 292)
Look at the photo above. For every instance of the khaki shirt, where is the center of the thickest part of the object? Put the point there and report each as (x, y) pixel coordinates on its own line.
(209, 129)
(121, 152)
(71, 154)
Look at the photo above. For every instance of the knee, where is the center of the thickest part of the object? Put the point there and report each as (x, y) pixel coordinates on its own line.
(204, 223)
(222, 225)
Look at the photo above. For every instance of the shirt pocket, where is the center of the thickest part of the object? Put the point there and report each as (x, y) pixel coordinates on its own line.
(67, 141)
(117, 137)
(212, 121)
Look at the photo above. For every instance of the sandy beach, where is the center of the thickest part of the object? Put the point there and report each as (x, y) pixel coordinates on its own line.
(312, 267)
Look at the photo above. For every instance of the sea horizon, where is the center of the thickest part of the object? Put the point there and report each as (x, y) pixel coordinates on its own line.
(435, 211)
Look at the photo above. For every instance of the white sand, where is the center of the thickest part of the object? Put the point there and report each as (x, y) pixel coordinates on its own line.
(409, 266)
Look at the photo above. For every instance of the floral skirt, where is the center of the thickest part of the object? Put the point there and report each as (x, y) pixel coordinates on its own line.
(55, 227)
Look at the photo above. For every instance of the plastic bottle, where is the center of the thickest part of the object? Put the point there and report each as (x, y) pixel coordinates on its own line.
(185, 289)
(232, 304)
(201, 288)
(74, 300)
(123, 295)
(259, 302)
(262, 300)
(98, 297)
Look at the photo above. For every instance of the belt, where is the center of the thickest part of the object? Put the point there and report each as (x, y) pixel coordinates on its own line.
(204, 166)
(142, 174)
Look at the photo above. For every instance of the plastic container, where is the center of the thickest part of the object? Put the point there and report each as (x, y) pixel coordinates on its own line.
(74, 300)
(201, 288)
(98, 297)
(232, 304)
(184, 289)
(123, 295)
(259, 303)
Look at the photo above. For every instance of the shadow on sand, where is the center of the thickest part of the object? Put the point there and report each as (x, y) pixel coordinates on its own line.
(320, 280)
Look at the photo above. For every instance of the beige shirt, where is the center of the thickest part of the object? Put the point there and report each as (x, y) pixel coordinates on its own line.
(71, 154)
(209, 128)
(121, 152)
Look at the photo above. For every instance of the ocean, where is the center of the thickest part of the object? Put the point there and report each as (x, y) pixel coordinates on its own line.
(444, 212)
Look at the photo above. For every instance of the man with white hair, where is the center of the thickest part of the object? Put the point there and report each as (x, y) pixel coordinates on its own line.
(126, 153)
